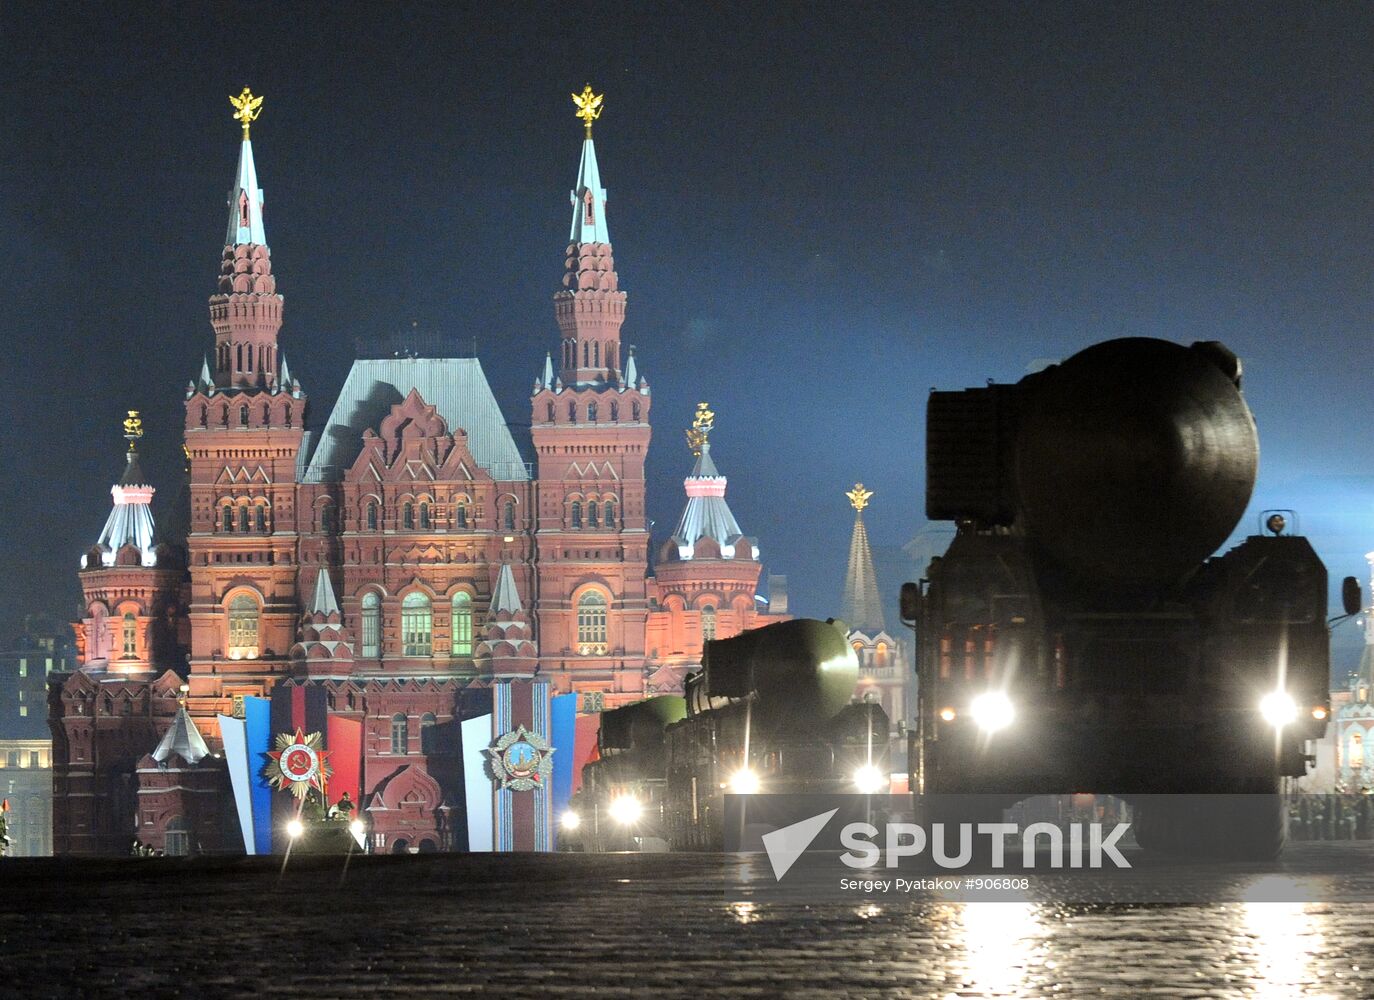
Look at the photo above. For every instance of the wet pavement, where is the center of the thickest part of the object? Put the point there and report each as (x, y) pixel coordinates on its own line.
(695, 926)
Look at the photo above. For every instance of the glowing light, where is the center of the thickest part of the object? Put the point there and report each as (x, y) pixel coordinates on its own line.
(744, 782)
(1278, 708)
(1319, 713)
(948, 714)
(1285, 936)
(295, 829)
(357, 828)
(869, 780)
(626, 810)
(570, 820)
(992, 711)
(1001, 943)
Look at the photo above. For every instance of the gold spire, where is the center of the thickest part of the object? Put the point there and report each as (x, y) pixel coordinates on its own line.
(133, 428)
(858, 496)
(247, 108)
(588, 107)
(701, 428)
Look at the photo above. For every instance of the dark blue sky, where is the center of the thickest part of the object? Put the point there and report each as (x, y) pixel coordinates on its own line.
(818, 215)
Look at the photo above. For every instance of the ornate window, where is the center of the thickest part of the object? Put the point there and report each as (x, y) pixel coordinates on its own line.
(261, 512)
(243, 628)
(462, 624)
(576, 520)
(610, 513)
(130, 635)
(615, 411)
(508, 518)
(591, 624)
(572, 411)
(550, 409)
(371, 516)
(424, 515)
(243, 415)
(408, 515)
(460, 513)
(593, 514)
(417, 626)
(327, 523)
(227, 522)
(427, 741)
(372, 624)
(243, 519)
(1356, 751)
(708, 623)
(880, 655)
(400, 734)
(634, 411)
(591, 413)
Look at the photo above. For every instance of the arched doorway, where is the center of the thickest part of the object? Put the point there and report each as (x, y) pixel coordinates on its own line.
(427, 846)
(400, 847)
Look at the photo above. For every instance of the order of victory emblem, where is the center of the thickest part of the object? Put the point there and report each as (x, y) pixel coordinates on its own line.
(521, 760)
(298, 763)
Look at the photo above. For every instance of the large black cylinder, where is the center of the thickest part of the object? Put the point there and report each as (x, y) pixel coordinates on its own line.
(1128, 464)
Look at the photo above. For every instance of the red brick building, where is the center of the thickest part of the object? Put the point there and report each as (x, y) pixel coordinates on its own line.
(397, 551)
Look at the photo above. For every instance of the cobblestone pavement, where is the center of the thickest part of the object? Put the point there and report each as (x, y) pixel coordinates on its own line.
(645, 926)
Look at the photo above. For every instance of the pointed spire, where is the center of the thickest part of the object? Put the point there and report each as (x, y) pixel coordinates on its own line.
(548, 371)
(507, 597)
(206, 379)
(284, 376)
(706, 515)
(862, 606)
(131, 520)
(245, 197)
(631, 369)
(323, 602)
(183, 739)
(588, 197)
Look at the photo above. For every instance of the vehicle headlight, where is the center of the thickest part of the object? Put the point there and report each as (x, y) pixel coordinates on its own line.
(1278, 708)
(992, 711)
(570, 820)
(626, 810)
(869, 780)
(745, 781)
(294, 829)
(357, 828)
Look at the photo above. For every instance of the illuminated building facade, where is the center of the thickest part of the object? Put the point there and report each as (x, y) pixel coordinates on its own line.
(397, 557)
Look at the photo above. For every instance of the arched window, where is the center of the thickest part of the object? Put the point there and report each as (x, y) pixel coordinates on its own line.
(424, 515)
(228, 518)
(634, 411)
(427, 741)
(327, 522)
(204, 416)
(551, 411)
(408, 515)
(371, 516)
(615, 411)
(708, 623)
(576, 514)
(372, 624)
(462, 624)
(243, 628)
(1356, 751)
(572, 411)
(880, 655)
(400, 734)
(508, 517)
(417, 626)
(586, 354)
(261, 511)
(596, 357)
(591, 413)
(238, 356)
(460, 513)
(243, 519)
(610, 513)
(243, 415)
(130, 635)
(288, 414)
(593, 514)
(591, 624)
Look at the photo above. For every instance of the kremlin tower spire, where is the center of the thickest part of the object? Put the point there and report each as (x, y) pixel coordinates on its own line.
(247, 311)
(591, 307)
(862, 608)
(707, 515)
(131, 520)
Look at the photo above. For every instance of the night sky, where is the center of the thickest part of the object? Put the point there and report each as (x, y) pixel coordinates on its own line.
(818, 216)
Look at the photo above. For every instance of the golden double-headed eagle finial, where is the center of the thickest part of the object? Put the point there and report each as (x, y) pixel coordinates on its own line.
(133, 428)
(858, 496)
(246, 109)
(588, 106)
(700, 430)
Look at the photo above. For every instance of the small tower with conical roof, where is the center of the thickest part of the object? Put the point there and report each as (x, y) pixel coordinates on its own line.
(706, 582)
(590, 430)
(883, 672)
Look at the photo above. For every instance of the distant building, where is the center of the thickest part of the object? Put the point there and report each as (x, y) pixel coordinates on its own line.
(25, 741)
(885, 675)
